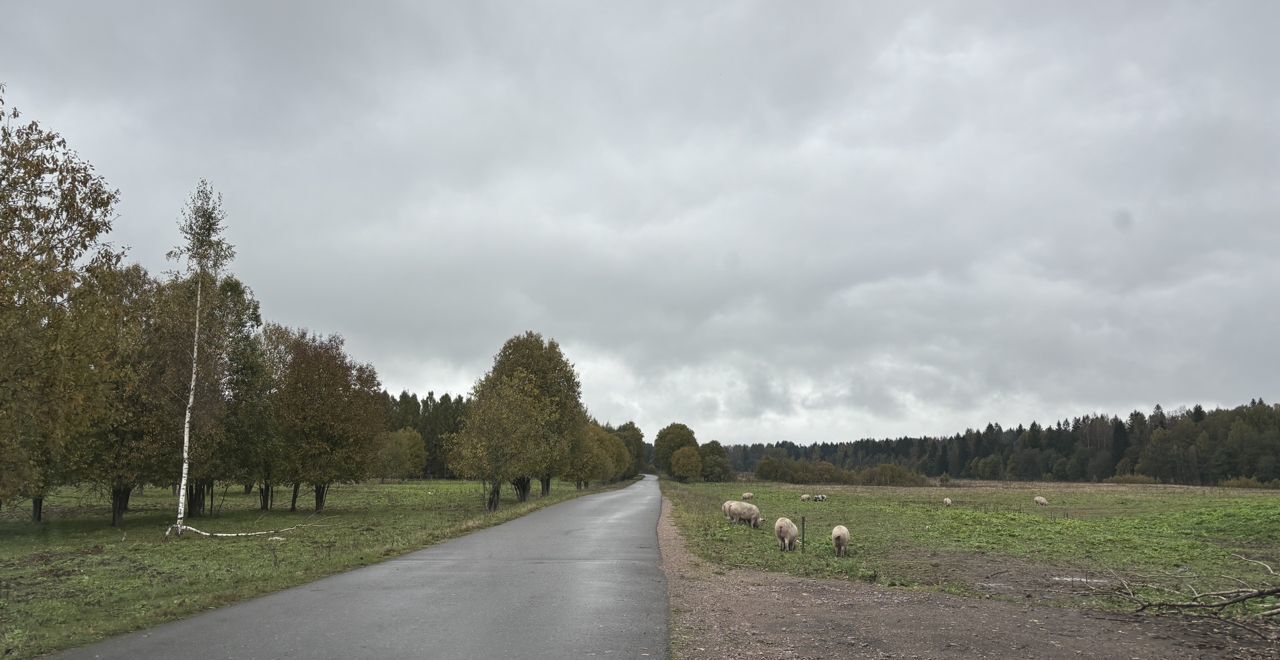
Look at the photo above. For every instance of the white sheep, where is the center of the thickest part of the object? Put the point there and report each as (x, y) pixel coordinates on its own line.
(840, 537)
(1041, 501)
(742, 512)
(786, 531)
(805, 498)
(946, 501)
(725, 509)
(747, 496)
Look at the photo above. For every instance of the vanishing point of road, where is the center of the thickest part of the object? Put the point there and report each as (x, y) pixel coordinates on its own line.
(580, 579)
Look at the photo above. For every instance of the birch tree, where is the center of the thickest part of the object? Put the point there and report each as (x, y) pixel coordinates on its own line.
(205, 253)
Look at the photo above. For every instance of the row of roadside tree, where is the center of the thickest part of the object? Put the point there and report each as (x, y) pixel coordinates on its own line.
(114, 378)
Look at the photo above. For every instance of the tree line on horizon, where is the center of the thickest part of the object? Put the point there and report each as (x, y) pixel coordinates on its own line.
(1185, 446)
(106, 369)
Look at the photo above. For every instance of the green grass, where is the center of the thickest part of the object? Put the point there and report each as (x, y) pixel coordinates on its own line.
(904, 536)
(73, 579)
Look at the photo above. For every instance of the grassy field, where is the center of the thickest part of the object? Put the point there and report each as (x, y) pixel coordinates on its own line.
(74, 579)
(994, 540)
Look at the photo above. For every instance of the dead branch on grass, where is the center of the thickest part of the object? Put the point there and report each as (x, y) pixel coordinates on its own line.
(189, 528)
(1225, 605)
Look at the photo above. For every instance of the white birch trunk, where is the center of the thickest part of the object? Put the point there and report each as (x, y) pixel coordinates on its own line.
(186, 424)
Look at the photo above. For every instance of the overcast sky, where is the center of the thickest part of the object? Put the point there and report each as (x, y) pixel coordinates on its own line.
(770, 221)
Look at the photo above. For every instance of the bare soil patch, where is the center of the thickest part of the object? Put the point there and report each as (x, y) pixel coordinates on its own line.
(737, 613)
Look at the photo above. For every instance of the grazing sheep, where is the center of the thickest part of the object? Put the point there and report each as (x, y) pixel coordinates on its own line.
(840, 537)
(819, 498)
(946, 501)
(747, 496)
(1041, 501)
(741, 512)
(725, 509)
(805, 498)
(786, 531)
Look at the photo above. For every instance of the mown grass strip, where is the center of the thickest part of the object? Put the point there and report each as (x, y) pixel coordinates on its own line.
(74, 579)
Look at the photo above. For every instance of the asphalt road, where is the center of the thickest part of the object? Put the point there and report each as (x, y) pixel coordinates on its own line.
(576, 580)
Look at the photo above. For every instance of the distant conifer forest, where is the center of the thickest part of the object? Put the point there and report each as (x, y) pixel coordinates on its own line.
(1239, 446)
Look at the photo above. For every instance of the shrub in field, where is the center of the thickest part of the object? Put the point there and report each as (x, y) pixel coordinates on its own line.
(889, 474)
(821, 472)
(1131, 479)
(1248, 482)
(686, 464)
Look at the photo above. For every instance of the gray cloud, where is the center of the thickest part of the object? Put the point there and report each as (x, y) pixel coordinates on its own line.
(770, 223)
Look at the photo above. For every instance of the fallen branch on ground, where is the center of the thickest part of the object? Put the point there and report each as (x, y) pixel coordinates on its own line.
(188, 528)
(1226, 605)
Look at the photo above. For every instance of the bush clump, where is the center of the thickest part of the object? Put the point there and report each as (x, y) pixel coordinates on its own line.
(1131, 479)
(791, 471)
(1249, 482)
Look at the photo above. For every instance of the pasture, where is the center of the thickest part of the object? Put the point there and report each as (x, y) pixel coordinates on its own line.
(73, 579)
(995, 542)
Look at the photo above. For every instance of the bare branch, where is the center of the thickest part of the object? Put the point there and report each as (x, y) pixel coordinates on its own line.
(188, 528)
(1255, 561)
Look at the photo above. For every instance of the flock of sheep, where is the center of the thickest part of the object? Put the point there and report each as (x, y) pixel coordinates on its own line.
(742, 511)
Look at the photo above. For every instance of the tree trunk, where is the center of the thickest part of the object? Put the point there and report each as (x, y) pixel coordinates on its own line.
(264, 497)
(37, 509)
(546, 485)
(522, 485)
(119, 504)
(191, 402)
(194, 499)
(495, 496)
(293, 506)
(248, 488)
(128, 494)
(322, 490)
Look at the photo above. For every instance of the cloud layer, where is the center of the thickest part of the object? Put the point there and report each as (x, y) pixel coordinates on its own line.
(769, 222)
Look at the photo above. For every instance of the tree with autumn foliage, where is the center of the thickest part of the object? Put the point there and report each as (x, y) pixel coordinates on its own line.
(502, 432)
(55, 212)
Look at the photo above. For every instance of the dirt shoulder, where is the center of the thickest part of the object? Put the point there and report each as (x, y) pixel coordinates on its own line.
(737, 613)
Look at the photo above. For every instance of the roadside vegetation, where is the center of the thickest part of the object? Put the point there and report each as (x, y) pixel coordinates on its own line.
(73, 579)
(1089, 543)
(132, 399)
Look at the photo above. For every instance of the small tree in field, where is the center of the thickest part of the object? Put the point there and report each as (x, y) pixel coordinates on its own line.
(505, 423)
(401, 454)
(686, 464)
(669, 440)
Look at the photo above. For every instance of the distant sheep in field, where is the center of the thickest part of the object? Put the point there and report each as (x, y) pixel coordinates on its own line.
(805, 498)
(946, 501)
(741, 512)
(840, 537)
(747, 496)
(819, 498)
(786, 532)
(1041, 501)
